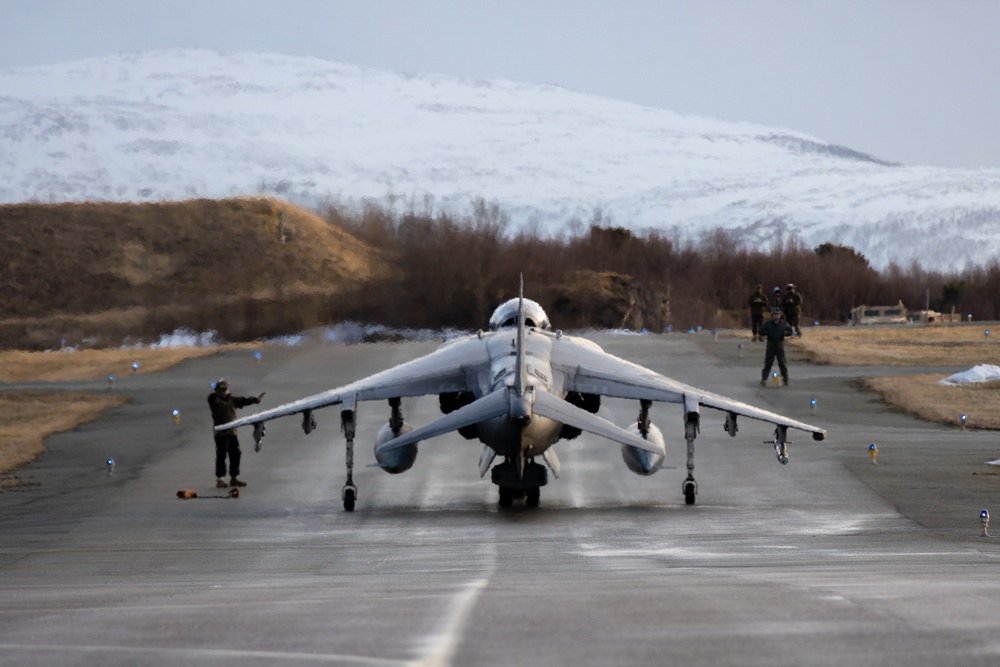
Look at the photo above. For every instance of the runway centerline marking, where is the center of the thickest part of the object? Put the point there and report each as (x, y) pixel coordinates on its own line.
(442, 645)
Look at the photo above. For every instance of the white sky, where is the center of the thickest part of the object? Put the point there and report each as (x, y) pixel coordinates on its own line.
(913, 81)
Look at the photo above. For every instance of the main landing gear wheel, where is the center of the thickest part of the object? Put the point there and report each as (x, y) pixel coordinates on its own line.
(506, 497)
(532, 497)
(690, 491)
(349, 497)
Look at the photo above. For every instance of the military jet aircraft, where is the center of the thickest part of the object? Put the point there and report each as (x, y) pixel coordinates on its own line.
(519, 388)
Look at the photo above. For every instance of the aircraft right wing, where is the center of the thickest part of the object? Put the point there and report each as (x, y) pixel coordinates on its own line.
(450, 368)
(588, 369)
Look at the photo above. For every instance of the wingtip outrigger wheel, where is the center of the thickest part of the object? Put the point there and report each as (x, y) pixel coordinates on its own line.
(781, 444)
(691, 427)
(350, 492)
(259, 431)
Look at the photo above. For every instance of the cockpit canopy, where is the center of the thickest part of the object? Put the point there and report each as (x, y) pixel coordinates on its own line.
(506, 315)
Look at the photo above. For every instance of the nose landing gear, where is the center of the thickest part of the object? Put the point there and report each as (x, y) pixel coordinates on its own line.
(513, 487)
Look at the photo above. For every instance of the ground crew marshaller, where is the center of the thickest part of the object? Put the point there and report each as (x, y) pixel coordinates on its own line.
(791, 305)
(775, 331)
(223, 406)
(758, 306)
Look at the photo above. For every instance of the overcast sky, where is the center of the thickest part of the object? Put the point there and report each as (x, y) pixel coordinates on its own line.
(913, 81)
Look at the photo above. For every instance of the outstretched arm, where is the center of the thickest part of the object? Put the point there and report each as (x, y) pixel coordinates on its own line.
(243, 401)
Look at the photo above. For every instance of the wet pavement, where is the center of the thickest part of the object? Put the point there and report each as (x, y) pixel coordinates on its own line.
(829, 560)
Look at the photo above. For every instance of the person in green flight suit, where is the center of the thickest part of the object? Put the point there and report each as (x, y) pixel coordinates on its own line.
(775, 331)
(791, 306)
(224, 405)
(758, 306)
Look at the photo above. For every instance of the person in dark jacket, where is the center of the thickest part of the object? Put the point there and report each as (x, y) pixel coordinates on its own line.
(791, 306)
(775, 331)
(776, 297)
(224, 405)
(758, 305)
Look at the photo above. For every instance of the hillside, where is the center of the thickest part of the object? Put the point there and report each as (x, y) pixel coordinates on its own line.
(75, 271)
(172, 125)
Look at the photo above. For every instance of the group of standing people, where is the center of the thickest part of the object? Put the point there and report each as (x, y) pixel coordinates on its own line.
(789, 305)
(785, 311)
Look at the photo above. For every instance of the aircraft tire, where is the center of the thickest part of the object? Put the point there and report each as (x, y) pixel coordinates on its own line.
(349, 500)
(506, 497)
(533, 496)
(689, 494)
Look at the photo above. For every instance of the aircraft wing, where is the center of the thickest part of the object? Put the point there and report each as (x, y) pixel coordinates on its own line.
(497, 403)
(450, 368)
(588, 369)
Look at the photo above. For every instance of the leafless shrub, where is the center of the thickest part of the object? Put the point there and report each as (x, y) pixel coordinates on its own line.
(260, 267)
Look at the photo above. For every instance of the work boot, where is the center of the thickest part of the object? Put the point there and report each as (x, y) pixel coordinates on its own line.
(221, 484)
(784, 381)
(235, 481)
(763, 382)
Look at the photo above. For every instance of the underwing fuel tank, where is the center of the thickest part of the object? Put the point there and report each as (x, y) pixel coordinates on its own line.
(400, 459)
(638, 460)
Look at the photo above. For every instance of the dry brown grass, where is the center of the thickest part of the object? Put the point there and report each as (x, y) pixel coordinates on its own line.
(26, 419)
(923, 397)
(919, 395)
(17, 366)
(935, 345)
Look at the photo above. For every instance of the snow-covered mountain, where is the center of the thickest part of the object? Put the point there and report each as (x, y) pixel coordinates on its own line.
(195, 123)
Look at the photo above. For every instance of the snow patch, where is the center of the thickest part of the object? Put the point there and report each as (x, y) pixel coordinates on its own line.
(980, 373)
(177, 124)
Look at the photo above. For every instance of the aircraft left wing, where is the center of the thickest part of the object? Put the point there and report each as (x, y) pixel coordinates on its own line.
(450, 368)
(588, 369)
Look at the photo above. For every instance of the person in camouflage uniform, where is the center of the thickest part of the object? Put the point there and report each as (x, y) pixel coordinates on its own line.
(791, 306)
(758, 305)
(775, 331)
(223, 405)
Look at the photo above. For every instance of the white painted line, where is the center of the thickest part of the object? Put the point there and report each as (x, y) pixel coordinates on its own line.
(443, 644)
(195, 653)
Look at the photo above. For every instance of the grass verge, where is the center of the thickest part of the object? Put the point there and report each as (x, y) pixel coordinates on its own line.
(923, 397)
(62, 366)
(920, 395)
(941, 345)
(26, 419)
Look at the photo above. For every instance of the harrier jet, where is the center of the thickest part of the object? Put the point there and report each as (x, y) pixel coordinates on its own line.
(520, 388)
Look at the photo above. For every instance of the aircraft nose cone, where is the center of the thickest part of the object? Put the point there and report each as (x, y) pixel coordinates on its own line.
(520, 409)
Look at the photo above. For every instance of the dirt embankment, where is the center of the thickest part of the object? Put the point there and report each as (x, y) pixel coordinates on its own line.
(102, 272)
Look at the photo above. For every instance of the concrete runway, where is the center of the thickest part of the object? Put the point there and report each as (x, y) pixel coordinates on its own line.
(829, 560)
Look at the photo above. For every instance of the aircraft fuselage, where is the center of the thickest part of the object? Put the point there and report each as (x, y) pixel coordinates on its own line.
(533, 436)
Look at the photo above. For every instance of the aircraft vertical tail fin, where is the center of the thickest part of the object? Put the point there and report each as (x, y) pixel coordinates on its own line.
(520, 367)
